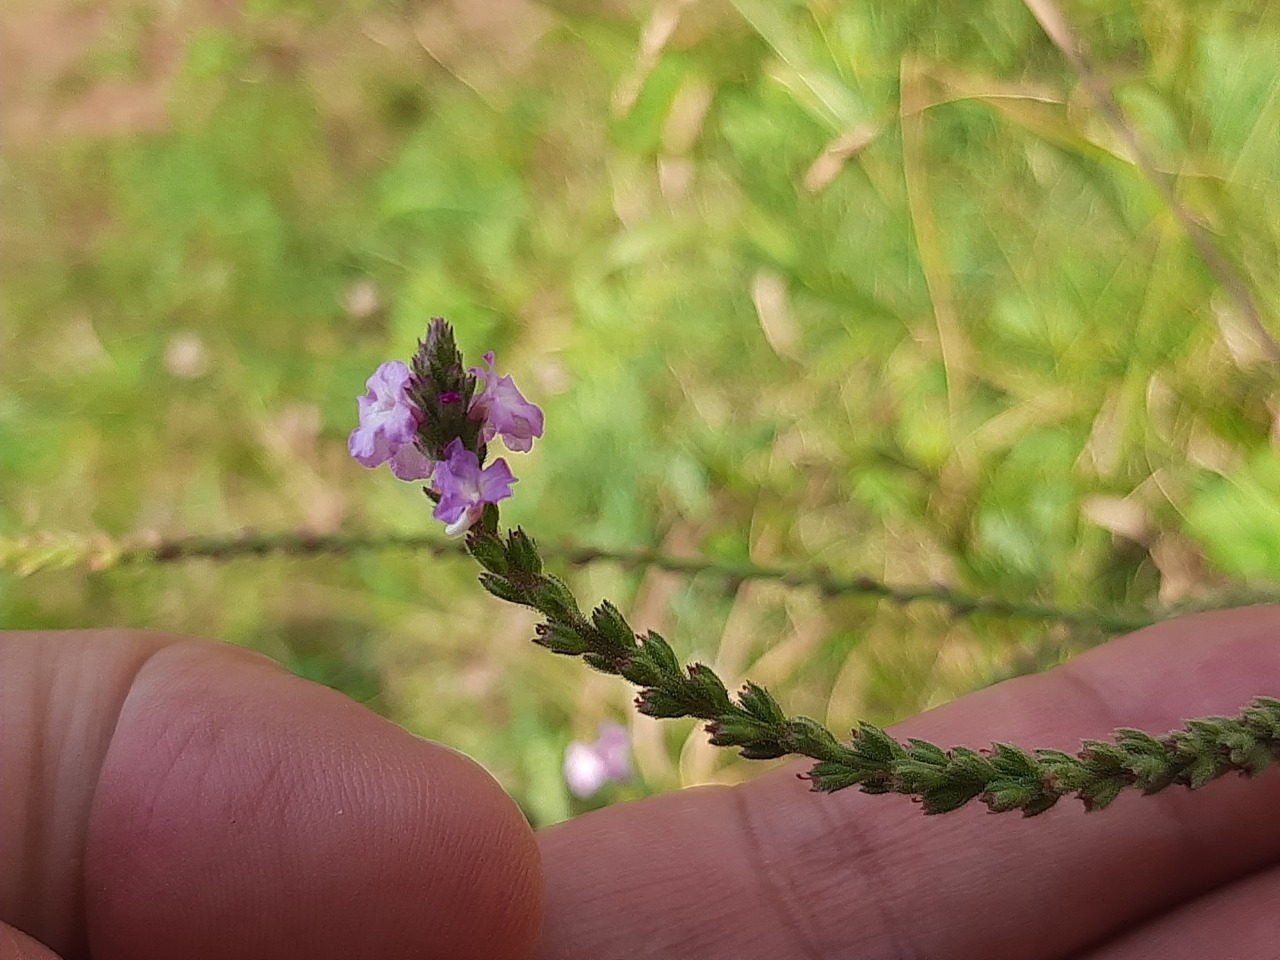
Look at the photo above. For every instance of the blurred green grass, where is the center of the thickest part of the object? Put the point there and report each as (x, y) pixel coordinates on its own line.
(877, 287)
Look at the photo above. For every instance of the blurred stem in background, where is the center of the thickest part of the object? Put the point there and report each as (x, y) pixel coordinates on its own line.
(26, 557)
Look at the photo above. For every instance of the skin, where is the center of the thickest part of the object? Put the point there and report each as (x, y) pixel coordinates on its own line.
(162, 797)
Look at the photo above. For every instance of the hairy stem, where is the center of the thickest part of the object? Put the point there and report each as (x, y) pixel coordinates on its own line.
(1004, 777)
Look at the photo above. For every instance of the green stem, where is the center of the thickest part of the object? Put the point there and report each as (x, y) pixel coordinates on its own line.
(1004, 778)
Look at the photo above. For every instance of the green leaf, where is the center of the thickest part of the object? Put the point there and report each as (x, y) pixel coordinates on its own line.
(504, 589)
(522, 552)
(663, 703)
(950, 797)
(917, 776)
(613, 627)
(1237, 517)
(1013, 762)
(1039, 804)
(1099, 794)
(602, 663)
(660, 653)
(639, 670)
(814, 86)
(828, 777)
(872, 743)
(553, 598)
(488, 551)
(925, 752)
(1140, 742)
(709, 691)
(758, 702)
(1202, 771)
(1264, 715)
(970, 766)
(560, 638)
(1003, 795)
(755, 738)
(810, 738)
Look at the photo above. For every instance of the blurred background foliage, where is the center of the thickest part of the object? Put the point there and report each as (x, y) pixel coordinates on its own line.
(879, 287)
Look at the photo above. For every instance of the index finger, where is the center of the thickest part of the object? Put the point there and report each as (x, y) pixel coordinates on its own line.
(768, 869)
(164, 797)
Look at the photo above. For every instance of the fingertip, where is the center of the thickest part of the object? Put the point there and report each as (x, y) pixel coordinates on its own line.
(255, 814)
(16, 945)
(1210, 663)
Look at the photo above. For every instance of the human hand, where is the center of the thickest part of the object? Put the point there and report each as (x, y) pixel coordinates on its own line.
(164, 797)
(169, 798)
(769, 870)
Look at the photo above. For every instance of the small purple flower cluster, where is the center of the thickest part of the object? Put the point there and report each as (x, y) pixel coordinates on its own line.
(391, 432)
(607, 759)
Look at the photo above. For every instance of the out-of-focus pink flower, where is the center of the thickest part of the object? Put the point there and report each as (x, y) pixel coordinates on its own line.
(464, 488)
(589, 766)
(505, 411)
(388, 424)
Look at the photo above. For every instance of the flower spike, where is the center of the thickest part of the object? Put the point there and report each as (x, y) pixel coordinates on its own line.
(434, 421)
(427, 422)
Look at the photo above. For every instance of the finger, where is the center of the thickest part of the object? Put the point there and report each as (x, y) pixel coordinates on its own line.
(192, 799)
(58, 702)
(770, 870)
(1239, 921)
(15, 945)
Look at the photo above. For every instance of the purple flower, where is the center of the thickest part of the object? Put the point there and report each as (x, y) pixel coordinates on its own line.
(505, 411)
(464, 488)
(589, 766)
(407, 411)
(388, 424)
(409, 463)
